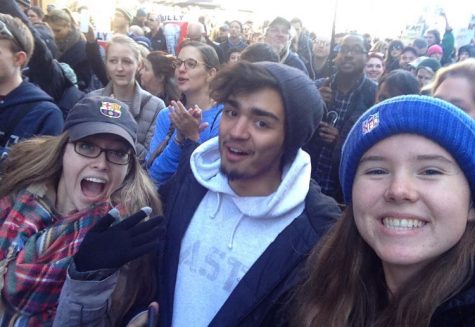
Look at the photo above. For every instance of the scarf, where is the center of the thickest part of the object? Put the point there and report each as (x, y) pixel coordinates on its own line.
(71, 39)
(44, 243)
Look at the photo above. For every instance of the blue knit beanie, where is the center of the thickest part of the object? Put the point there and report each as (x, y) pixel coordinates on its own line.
(432, 118)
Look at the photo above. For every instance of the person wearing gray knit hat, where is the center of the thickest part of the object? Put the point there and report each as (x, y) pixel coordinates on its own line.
(245, 197)
(403, 252)
(303, 105)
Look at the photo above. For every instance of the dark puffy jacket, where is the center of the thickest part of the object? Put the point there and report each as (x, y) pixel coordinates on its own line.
(76, 57)
(458, 311)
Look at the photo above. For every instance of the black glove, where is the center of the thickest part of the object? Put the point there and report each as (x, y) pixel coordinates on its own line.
(106, 247)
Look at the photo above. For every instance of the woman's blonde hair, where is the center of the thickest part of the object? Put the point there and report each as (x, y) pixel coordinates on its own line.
(464, 69)
(60, 17)
(127, 41)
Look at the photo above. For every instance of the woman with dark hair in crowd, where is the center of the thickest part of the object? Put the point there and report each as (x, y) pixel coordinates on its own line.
(234, 55)
(432, 37)
(157, 76)
(465, 52)
(397, 82)
(196, 117)
(392, 57)
(403, 253)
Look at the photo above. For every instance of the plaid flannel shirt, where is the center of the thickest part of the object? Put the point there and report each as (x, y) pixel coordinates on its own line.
(44, 243)
(341, 103)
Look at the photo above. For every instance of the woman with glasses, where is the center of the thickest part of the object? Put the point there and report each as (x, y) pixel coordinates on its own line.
(196, 117)
(54, 190)
(123, 59)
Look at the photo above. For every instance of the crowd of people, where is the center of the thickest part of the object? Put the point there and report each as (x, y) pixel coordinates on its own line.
(237, 177)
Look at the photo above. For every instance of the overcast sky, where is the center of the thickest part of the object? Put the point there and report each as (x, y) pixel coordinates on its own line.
(379, 17)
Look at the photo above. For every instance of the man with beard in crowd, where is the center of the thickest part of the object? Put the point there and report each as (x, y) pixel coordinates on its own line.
(347, 94)
(408, 55)
(279, 37)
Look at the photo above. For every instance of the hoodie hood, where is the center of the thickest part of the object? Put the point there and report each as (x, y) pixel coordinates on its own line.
(289, 197)
(26, 92)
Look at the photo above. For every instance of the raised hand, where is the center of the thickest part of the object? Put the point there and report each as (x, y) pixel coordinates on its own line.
(186, 121)
(106, 246)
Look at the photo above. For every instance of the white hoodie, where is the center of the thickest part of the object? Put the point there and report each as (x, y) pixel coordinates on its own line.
(228, 233)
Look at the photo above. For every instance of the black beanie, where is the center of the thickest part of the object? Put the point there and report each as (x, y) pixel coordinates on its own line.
(303, 106)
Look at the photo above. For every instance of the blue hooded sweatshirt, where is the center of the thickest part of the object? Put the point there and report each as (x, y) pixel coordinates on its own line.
(39, 116)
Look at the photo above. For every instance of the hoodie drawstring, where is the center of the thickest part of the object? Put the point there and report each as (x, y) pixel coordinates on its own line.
(231, 241)
(218, 205)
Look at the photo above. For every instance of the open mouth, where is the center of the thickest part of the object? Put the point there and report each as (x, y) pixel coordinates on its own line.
(237, 152)
(93, 186)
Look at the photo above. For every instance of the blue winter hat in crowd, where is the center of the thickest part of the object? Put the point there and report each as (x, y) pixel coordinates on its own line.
(303, 106)
(432, 118)
(142, 40)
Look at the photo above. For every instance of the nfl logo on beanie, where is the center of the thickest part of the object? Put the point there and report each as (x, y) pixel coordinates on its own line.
(432, 118)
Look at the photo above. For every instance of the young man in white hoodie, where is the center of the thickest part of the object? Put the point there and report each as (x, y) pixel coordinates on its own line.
(243, 213)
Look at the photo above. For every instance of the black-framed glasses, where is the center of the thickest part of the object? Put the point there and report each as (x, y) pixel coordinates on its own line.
(190, 63)
(90, 150)
(6, 33)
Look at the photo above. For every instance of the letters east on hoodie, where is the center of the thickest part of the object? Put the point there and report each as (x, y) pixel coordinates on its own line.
(228, 233)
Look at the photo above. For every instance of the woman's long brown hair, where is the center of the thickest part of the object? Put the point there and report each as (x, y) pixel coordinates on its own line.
(345, 283)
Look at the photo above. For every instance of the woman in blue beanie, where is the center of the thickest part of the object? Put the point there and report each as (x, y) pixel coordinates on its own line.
(403, 254)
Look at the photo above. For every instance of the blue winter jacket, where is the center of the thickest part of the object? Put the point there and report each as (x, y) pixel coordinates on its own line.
(162, 167)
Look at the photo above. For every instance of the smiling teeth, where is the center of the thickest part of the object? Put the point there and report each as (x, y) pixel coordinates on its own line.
(95, 180)
(236, 150)
(396, 223)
